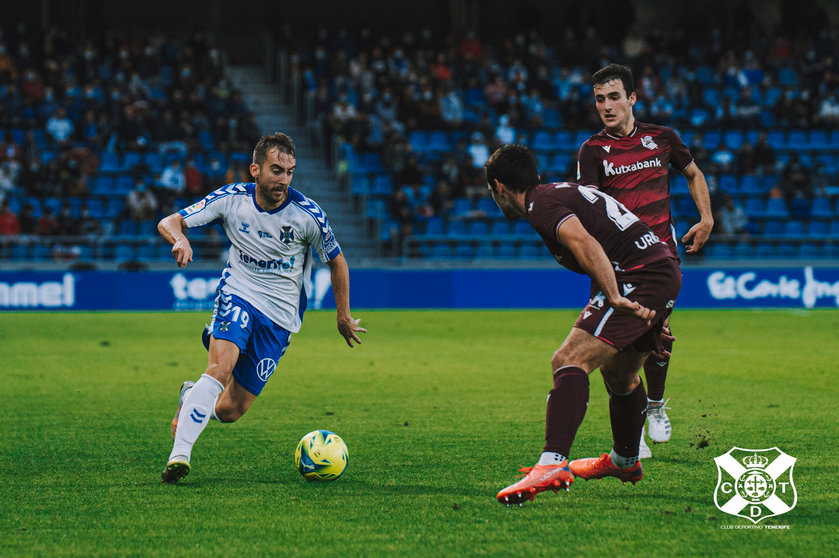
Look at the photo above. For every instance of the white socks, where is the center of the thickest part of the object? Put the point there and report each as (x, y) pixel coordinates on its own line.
(551, 458)
(199, 405)
(623, 462)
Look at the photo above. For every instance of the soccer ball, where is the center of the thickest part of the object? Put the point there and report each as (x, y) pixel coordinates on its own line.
(321, 455)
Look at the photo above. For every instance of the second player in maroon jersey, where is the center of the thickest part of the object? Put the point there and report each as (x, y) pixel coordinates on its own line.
(630, 160)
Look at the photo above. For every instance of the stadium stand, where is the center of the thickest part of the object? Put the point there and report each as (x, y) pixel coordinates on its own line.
(99, 120)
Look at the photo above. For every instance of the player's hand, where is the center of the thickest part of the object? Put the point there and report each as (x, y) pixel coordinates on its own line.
(348, 328)
(698, 234)
(622, 304)
(182, 252)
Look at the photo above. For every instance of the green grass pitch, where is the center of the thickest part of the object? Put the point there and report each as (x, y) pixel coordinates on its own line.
(438, 408)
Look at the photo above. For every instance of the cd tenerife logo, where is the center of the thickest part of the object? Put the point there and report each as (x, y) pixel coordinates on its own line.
(755, 484)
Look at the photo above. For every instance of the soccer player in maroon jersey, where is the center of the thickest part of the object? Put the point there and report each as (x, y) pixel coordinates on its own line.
(629, 161)
(635, 279)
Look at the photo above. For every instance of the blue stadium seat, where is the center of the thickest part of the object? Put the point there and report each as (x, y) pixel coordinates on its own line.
(776, 208)
(522, 228)
(507, 250)
(418, 140)
(205, 139)
(773, 228)
(817, 229)
(728, 184)
(462, 206)
(560, 163)
(679, 185)
(131, 159)
(794, 228)
(434, 226)
(124, 252)
(441, 250)
(833, 229)
(478, 228)
(712, 139)
(96, 207)
(457, 227)
(464, 250)
(788, 249)
(777, 139)
(124, 184)
(110, 162)
(153, 160)
(751, 185)
(128, 227)
(754, 207)
(360, 184)
(720, 251)
(798, 139)
(819, 140)
(734, 139)
(809, 250)
(531, 250)
(376, 209)
(565, 141)
(543, 142)
(438, 141)
(382, 186)
(485, 250)
(821, 209)
(500, 228)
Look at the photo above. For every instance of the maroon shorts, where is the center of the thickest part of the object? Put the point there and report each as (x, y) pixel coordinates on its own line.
(655, 286)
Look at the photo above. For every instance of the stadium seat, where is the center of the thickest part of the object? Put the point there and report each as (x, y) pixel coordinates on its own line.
(376, 209)
(457, 227)
(794, 228)
(464, 250)
(382, 186)
(719, 251)
(124, 252)
(543, 142)
(360, 184)
(799, 208)
(441, 250)
(788, 249)
(816, 229)
(777, 139)
(565, 141)
(819, 140)
(438, 141)
(500, 229)
(522, 228)
(507, 250)
(776, 208)
(131, 159)
(478, 228)
(833, 229)
(733, 139)
(728, 184)
(751, 185)
(462, 206)
(821, 209)
(773, 228)
(109, 162)
(434, 226)
(418, 140)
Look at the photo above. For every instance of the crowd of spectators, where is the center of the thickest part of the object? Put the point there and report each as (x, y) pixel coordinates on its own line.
(67, 106)
(373, 95)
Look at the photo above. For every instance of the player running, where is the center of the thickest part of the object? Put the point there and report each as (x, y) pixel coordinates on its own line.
(629, 161)
(261, 294)
(635, 279)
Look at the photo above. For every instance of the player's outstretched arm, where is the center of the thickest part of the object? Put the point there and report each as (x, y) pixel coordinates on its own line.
(596, 264)
(698, 234)
(340, 276)
(172, 229)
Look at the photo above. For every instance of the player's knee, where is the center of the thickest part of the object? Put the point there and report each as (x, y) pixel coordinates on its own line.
(229, 413)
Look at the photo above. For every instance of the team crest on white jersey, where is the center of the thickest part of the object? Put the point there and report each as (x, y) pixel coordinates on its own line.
(755, 484)
(647, 141)
(287, 235)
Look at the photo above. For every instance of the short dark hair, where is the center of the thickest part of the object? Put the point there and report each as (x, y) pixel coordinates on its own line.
(267, 143)
(613, 72)
(514, 166)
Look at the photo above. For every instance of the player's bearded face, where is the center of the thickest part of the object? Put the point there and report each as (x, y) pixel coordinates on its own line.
(274, 176)
(504, 204)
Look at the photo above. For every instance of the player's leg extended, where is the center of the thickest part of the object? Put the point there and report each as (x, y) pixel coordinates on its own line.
(566, 407)
(655, 370)
(199, 405)
(627, 411)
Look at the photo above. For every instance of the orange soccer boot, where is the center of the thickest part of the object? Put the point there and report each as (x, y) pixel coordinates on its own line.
(537, 479)
(599, 467)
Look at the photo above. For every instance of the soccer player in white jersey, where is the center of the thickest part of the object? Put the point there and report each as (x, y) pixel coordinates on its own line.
(261, 294)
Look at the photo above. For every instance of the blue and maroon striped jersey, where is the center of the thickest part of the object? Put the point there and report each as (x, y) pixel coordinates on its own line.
(633, 170)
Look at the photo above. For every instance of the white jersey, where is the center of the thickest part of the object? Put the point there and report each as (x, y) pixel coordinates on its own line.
(270, 261)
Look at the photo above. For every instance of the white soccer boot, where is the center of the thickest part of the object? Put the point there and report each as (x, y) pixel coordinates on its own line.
(643, 449)
(659, 422)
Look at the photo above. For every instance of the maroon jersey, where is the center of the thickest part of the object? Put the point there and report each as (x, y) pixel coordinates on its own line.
(628, 242)
(633, 170)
